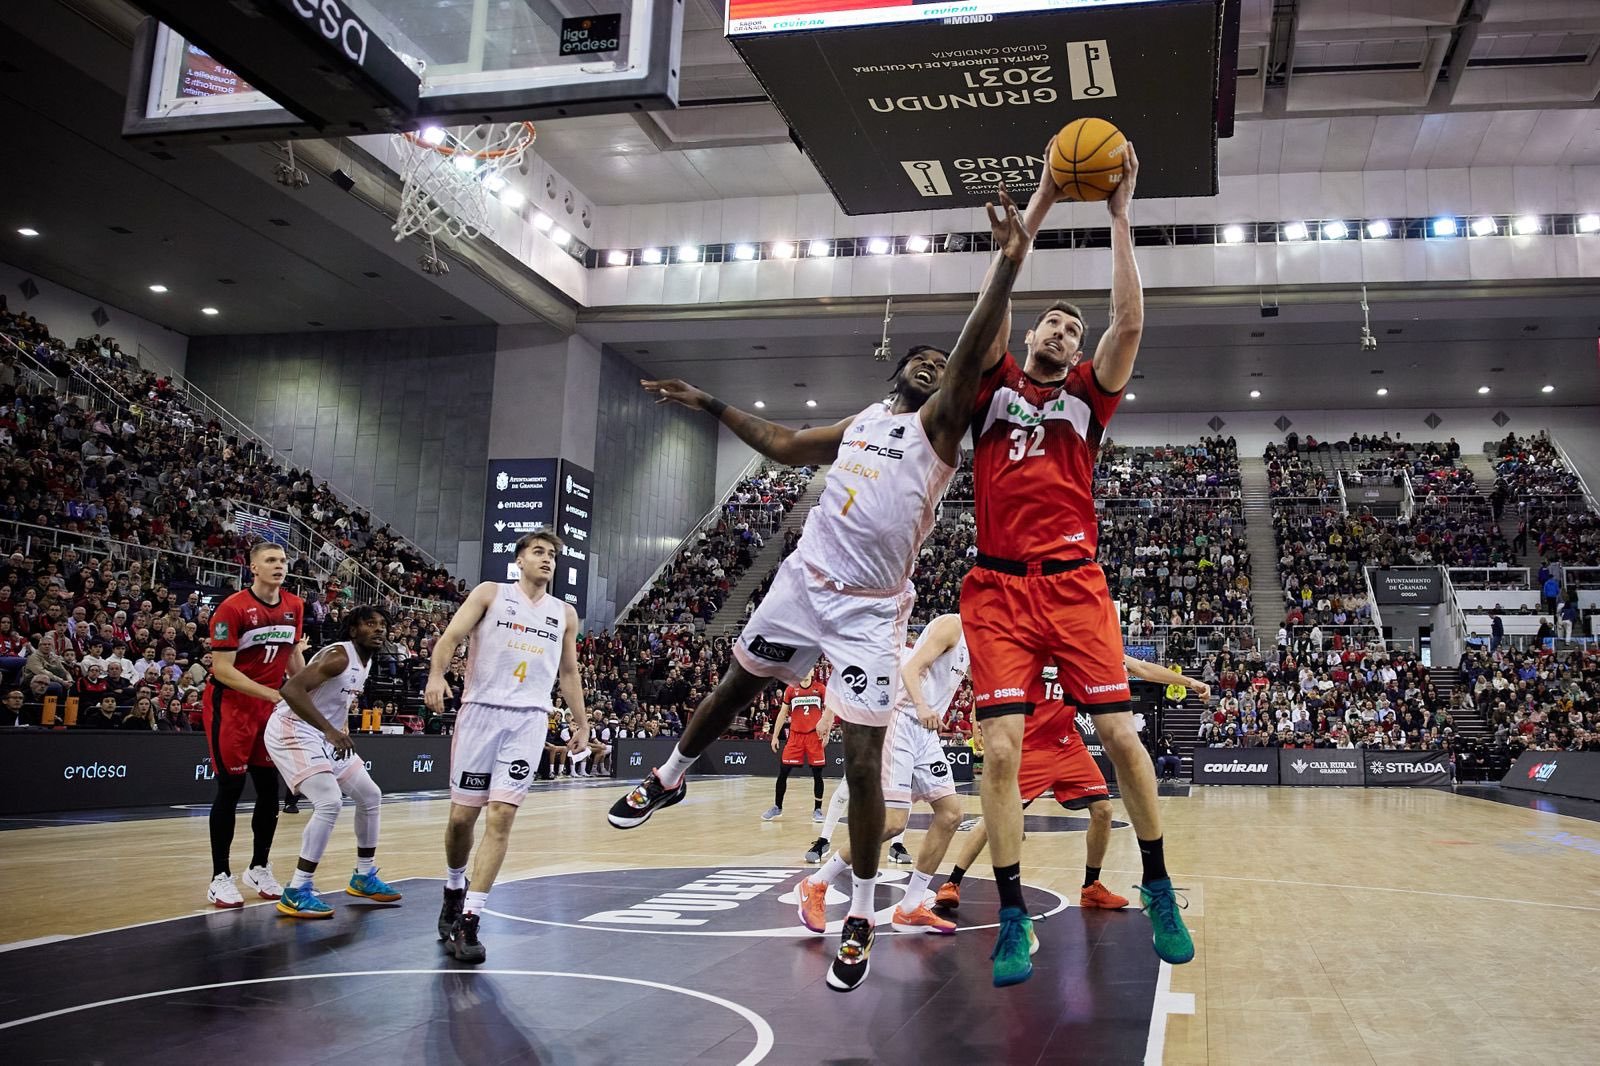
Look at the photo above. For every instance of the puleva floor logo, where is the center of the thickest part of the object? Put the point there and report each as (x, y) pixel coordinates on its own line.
(715, 901)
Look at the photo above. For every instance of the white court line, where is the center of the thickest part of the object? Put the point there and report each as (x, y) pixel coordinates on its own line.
(1165, 1002)
(764, 1036)
(1405, 891)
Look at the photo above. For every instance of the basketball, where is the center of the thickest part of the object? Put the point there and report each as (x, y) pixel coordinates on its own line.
(1086, 159)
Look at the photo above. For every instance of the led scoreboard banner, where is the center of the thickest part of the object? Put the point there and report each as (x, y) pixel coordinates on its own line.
(917, 107)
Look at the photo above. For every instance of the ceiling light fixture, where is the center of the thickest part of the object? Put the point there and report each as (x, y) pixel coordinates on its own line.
(1233, 234)
(1444, 226)
(811, 403)
(617, 258)
(432, 135)
(1131, 396)
(878, 246)
(1335, 231)
(1255, 394)
(688, 253)
(1548, 388)
(1383, 392)
(1484, 226)
(560, 235)
(1588, 223)
(744, 252)
(209, 311)
(158, 288)
(651, 256)
(512, 198)
(1295, 231)
(1528, 224)
(1378, 229)
(1483, 390)
(28, 231)
(464, 163)
(782, 250)
(542, 222)
(916, 244)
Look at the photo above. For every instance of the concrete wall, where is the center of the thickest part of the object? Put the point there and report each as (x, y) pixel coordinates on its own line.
(69, 315)
(399, 419)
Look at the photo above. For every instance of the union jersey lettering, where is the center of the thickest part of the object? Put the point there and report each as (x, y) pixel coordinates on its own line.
(335, 697)
(878, 503)
(1033, 462)
(262, 635)
(805, 707)
(516, 651)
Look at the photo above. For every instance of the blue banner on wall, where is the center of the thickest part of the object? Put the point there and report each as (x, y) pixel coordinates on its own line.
(575, 523)
(521, 496)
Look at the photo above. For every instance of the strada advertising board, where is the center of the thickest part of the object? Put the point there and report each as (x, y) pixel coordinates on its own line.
(1413, 769)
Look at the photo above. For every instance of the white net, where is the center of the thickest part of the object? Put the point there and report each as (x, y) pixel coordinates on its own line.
(448, 176)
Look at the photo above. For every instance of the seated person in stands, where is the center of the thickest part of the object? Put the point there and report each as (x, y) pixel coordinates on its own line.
(11, 709)
(104, 715)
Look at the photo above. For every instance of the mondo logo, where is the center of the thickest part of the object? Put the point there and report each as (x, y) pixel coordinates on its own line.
(93, 772)
(1543, 771)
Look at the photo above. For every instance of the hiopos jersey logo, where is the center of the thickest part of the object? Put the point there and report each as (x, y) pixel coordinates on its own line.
(718, 902)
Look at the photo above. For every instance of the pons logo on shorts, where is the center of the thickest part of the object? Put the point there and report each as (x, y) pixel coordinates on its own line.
(473, 782)
(772, 651)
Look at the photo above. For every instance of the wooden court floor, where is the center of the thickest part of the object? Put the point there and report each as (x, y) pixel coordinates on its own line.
(1332, 926)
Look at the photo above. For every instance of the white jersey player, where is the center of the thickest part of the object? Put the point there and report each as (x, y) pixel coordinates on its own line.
(846, 592)
(914, 768)
(308, 740)
(523, 643)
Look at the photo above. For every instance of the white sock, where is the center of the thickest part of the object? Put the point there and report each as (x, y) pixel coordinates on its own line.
(301, 879)
(898, 838)
(367, 865)
(454, 877)
(916, 889)
(861, 890)
(831, 869)
(836, 808)
(476, 902)
(676, 765)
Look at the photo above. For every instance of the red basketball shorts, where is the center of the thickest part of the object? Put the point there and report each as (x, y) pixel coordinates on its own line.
(236, 729)
(1016, 624)
(804, 749)
(1067, 770)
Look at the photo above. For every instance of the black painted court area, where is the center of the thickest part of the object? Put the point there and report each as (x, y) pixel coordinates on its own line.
(701, 965)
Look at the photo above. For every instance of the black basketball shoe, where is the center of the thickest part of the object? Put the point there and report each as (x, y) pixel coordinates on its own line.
(817, 850)
(454, 900)
(649, 796)
(464, 942)
(850, 966)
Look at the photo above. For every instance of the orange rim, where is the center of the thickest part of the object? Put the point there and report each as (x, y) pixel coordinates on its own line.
(488, 153)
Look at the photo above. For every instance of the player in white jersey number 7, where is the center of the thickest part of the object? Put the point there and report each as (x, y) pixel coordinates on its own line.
(846, 591)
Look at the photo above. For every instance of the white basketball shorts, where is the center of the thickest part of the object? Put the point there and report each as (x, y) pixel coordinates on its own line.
(495, 753)
(804, 616)
(299, 749)
(914, 765)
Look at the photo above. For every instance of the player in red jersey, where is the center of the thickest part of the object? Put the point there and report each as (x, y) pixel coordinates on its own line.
(255, 646)
(1036, 594)
(1055, 760)
(809, 723)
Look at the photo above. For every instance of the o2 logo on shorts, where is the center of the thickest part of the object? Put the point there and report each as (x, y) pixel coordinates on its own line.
(475, 782)
(855, 677)
(939, 769)
(762, 648)
(519, 770)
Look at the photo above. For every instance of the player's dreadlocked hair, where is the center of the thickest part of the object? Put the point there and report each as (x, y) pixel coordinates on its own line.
(915, 350)
(357, 615)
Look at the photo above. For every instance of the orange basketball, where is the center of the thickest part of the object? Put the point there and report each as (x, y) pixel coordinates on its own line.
(1086, 159)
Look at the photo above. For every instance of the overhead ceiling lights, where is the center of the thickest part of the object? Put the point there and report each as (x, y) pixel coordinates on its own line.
(1528, 224)
(688, 253)
(1483, 390)
(1483, 226)
(1378, 229)
(744, 252)
(1232, 234)
(1295, 231)
(542, 222)
(1335, 231)
(209, 311)
(1548, 389)
(782, 250)
(1443, 226)
(651, 256)
(917, 243)
(560, 235)
(1131, 396)
(464, 163)
(878, 246)
(28, 231)
(616, 258)
(432, 135)
(818, 249)
(1383, 392)
(158, 288)
(1255, 394)
(512, 198)
(811, 403)
(1588, 223)
(760, 404)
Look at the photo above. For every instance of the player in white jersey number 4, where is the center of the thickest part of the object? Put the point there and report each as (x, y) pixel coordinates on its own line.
(846, 591)
(310, 744)
(523, 641)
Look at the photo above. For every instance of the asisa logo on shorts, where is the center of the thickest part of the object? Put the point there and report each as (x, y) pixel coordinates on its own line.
(474, 782)
(855, 677)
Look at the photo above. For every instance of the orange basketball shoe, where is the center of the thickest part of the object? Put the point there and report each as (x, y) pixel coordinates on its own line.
(1099, 896)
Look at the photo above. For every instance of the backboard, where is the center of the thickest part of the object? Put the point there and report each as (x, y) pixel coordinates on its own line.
(273, 69)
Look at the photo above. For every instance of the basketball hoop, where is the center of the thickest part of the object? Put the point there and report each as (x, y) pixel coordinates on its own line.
(447, 176)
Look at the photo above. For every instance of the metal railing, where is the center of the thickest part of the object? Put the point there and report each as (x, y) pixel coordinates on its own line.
(1372, 598)
(1458, 617)
(1408, 503)
(1492, 577)
(1566, 461)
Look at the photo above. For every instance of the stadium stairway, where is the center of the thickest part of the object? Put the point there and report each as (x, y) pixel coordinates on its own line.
(1484, 477)
(730, 619)
(1266, 585)
(1182, 723)
(1474, 725)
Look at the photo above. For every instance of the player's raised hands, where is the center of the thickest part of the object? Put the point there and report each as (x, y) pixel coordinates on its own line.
(1011, 237)
(1118, 203)
(676, 391)
(1048, 191)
